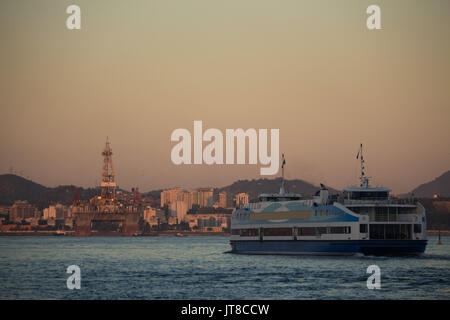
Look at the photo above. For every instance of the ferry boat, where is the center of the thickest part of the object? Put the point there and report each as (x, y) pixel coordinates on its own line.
(364, 220)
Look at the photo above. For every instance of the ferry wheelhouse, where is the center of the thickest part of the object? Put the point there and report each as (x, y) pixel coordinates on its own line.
(363, 220)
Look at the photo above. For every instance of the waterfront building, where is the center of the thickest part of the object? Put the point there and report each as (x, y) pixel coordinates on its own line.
(149, 212)
(68, 222)
(203, 197)
(178, 209)
(223, 199)
(176, 194)
(21, 210)
(57, 212)
(172, 220)
(51, 222)
(161, 215)
(169, 196)
(4, 214)
(46, 214)
(209, 219)
(213, 222)
(241, 199)
(150, 216)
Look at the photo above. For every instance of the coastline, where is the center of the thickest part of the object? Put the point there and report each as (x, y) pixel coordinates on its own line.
(167, 233)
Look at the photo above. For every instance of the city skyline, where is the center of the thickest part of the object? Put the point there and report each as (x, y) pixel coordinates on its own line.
(311, 69)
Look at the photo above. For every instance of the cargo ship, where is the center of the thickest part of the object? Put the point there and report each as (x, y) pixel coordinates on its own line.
(362, 220)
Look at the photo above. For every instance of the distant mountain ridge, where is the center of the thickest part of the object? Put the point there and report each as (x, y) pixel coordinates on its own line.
(13, 187)
(440, 186)
(257, 186)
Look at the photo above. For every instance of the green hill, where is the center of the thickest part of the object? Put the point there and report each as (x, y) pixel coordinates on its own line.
(14, 188)
(440, 186)
(257, 186)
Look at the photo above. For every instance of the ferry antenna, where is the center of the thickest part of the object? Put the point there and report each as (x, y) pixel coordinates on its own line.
(283, 163)
(364, 181)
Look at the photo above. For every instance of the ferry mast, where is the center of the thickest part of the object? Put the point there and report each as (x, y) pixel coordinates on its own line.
(364, 181)
(283, 162)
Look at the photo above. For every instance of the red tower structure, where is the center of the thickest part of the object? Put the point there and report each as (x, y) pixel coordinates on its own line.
(108, 183)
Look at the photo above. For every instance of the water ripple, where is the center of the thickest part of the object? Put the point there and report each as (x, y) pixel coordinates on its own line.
(197, 268)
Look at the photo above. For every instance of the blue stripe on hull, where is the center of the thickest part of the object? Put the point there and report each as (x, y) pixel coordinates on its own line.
(332, 247)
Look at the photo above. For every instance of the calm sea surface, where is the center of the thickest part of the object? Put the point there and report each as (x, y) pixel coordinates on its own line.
(198, 268)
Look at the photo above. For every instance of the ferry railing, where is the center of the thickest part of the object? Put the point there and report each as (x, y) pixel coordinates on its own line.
(392, 217)
(379, 201)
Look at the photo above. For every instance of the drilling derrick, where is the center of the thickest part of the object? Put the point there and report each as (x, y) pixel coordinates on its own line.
(108, 183)
(105, 215)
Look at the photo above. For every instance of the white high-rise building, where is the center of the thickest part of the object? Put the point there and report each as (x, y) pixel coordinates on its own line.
(203, 197)
(150, 216)
(22, 210)
(178, 209)
(56, 212)
(176, 194)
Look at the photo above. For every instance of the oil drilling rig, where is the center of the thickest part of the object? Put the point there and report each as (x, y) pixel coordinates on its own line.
(105, 214)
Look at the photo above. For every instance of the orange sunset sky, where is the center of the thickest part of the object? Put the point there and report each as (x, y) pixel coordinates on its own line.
(137, 70)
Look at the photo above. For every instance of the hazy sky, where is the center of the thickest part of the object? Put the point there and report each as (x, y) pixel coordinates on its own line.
(137, 70)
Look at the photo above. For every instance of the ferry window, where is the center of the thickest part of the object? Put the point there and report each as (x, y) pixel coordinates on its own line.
(249, 232)
(363, 228)
(390, 231)
(417, 228)
(376, 231)
(307, 231)
(277, 232)
(405, 231)
(338, 230)
(322, 230)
